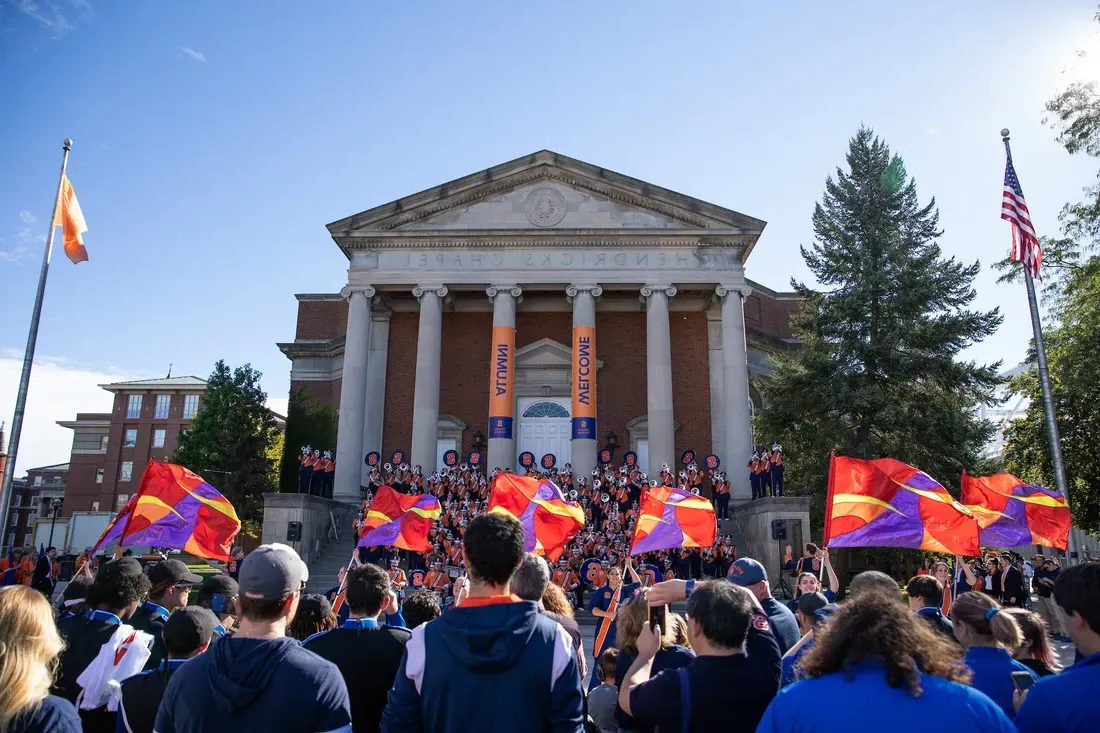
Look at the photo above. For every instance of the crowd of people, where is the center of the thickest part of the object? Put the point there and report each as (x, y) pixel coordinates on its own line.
(128, 650)
(610, 501)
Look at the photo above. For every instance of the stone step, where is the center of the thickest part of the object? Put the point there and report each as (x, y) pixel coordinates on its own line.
(324, 571)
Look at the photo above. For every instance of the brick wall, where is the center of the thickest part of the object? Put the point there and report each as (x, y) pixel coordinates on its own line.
(621, 386)
(321, 319)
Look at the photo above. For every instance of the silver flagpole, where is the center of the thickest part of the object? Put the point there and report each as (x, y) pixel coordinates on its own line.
(28, 357)
(1044, 381)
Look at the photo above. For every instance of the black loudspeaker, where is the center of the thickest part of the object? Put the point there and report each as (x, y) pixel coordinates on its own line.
(294, 532)
(779, 529)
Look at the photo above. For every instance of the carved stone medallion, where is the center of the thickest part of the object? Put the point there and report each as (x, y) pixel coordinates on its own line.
(544, 207)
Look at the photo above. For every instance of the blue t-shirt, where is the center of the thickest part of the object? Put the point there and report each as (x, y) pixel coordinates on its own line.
(993, 667)
(54, 715)
(876, 707)
(673, 657)
(790, 660)
(255, 684)
(1063, 703)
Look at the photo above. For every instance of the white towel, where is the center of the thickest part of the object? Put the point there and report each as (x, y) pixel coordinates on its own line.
(120, 657)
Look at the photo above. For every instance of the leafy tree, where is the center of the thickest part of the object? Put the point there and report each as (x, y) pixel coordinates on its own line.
(1071, 291)
(307, 423)
(228, 441)
(878, 374)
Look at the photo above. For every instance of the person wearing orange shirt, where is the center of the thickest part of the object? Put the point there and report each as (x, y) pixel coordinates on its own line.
(754, 475)
(777, 468)
(436, 580)
(721, 496)
(764, 467)
(566, 579)
(398, 581)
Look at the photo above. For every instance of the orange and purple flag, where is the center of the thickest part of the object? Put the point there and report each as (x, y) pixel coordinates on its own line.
(549, 520)
(1011, 513)
(399, 520)
(673, 517)
(71, 220)
(175, 508)
(886, 503)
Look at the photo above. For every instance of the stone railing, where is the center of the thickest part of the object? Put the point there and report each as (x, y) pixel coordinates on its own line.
(316, 515)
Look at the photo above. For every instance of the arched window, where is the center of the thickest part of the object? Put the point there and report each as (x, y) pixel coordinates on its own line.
(545, 409)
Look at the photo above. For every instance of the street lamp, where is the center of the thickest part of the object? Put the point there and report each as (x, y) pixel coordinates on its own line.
(56, 506)
(612, 441)
(479, 439)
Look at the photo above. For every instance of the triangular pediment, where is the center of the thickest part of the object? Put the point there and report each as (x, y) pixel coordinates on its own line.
(546, 354)
(545, 192)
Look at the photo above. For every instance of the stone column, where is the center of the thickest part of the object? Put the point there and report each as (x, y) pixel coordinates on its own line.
(584, 436)
(502, 366)
(353, 389)
(735, 407)
(658, 353)
(426, 389)
(376, 387)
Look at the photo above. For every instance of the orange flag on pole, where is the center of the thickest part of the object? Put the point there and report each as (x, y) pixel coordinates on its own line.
(71, 220)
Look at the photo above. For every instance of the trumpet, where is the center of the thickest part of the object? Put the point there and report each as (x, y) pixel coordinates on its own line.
(573, 494)
(388, 467)
(604, 498)
(695, 491)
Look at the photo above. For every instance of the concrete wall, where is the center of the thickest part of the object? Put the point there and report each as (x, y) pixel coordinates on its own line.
(315, 514)
(755, 521)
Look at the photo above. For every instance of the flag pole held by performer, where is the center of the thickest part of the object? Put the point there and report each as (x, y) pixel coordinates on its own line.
(1026, 249)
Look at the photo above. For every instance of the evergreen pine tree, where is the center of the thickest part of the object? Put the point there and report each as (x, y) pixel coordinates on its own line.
(307, 423)
(228, 441)
(878, 372)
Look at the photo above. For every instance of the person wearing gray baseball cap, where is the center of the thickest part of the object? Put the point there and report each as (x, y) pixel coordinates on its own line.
(258, 678)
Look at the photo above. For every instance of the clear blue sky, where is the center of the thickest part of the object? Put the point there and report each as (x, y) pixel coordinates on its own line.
(214, 140)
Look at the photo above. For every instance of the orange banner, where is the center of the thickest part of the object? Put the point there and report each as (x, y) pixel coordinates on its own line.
(584, 382)
(501, 380)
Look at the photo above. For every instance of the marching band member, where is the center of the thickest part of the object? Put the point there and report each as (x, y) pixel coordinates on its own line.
(397, 576)
(777, 468)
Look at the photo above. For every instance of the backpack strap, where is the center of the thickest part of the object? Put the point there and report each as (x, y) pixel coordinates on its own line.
(685, 700)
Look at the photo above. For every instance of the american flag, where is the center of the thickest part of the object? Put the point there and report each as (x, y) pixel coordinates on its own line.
(1025, 245)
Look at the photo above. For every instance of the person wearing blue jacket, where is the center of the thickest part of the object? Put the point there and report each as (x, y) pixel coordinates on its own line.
(492, 662)
(987, 634)
(1066, 702)
(258, 679)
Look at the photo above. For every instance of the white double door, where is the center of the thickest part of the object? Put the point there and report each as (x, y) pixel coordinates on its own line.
(544, 427)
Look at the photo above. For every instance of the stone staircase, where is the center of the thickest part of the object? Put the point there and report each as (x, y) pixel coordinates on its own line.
(323, 570)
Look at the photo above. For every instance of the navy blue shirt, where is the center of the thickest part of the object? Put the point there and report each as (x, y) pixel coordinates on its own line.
(255, 684)
(54, 715)
(868, 703)
(674, 657)
(993, 667)
(726, 694)
(1064, 703)
(783, 623)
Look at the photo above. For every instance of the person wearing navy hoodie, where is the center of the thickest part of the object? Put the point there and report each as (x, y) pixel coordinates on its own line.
(987, 635)
(492, 662)
(258, 679)
(1066, 702)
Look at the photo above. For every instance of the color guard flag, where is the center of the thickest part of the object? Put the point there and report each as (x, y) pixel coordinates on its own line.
(886, 503)
(549, 520)
(672, 517)
(1011, 513)
(399, 520)
(71, 220)
(175, 508)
